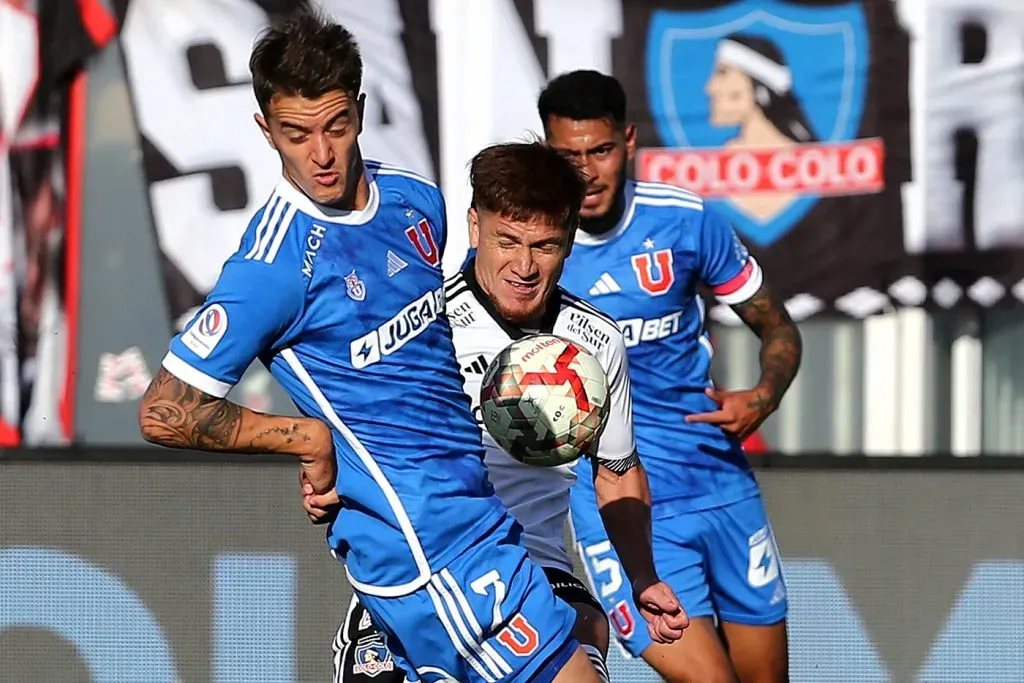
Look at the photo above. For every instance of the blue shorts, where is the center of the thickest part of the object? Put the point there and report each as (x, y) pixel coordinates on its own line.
(720, 562)
(489, 616)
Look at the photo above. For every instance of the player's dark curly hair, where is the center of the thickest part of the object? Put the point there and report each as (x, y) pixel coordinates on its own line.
(305, 54)
(581, 96)
(522, 181)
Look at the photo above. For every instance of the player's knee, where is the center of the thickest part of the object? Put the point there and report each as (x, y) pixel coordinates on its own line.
(579, 669)
(684, 674)
(690, 668)
(760, 654)
(770, 669)
(702, 660)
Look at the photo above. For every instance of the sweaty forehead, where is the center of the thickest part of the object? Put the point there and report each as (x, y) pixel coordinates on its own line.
(580, 134)
(302, 110)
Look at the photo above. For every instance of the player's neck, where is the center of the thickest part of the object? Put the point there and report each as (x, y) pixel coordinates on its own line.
(602, 224)
(357, 194)
(361, 192)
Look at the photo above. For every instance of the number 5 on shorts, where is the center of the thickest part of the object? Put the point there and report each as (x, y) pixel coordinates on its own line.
(606, 575)
(607, 568)
(519, 637)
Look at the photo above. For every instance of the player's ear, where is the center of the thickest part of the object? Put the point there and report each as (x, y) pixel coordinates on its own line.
(630, 136)
(473, 220)
(265, 129)
(360, 108)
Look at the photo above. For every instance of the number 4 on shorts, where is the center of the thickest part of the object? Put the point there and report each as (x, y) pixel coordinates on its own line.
(519, 637)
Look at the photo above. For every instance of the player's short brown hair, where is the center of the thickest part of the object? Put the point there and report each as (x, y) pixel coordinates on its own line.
(522, 181)
(305, 54)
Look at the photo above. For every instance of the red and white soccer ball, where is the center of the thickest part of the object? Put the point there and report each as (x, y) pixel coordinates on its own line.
(544, 400)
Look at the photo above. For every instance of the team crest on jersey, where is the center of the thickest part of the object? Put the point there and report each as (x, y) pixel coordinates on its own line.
(759, 104)
(355, 287)
(372, 656)
(654, 272)
(423, 241)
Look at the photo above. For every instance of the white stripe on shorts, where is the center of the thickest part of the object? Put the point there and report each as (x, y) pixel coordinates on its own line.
(460, 623)
(454, 637)
(474, 624)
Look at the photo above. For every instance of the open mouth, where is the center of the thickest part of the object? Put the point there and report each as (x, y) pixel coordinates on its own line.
(522, 288)
(327, 178)
(593, 196)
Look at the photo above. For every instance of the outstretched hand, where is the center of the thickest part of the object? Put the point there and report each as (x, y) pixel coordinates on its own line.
(666, 618)
(739, 413)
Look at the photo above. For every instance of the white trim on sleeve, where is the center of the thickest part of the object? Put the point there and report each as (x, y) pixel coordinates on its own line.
(196, 378)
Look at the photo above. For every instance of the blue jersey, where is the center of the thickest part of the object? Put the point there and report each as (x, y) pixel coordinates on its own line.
(346, 310)
(644, 274)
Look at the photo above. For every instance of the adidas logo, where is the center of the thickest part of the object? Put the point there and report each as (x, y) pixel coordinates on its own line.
(395, 263)
(477, 367)
(605, 284)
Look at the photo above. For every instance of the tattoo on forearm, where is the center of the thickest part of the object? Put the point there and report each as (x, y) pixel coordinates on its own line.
(271, 439)
(781, 346)
(177, 415)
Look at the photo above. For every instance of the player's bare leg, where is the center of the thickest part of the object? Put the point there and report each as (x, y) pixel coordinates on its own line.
(697, 657)
(760, 654)
(591, 630)
(578, 670)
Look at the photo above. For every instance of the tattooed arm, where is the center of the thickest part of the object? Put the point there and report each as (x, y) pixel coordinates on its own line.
(781, 346)
(740, 413)
(175, 414)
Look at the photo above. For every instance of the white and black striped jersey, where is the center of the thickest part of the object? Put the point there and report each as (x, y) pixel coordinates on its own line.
(538, 497)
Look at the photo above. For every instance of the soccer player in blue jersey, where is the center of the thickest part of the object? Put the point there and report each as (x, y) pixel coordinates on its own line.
(640, 253)
(336, 287)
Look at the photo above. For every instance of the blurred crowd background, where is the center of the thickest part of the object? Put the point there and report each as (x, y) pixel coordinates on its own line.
(886, 203)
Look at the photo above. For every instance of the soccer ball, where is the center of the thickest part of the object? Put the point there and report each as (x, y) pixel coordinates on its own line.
(544, 400)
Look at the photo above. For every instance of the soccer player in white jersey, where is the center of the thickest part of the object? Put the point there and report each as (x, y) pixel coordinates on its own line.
(522, 227)
(641, 251)
(364, 350)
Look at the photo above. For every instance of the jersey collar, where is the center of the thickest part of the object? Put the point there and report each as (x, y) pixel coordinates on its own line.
(326, 213)
(547, 324)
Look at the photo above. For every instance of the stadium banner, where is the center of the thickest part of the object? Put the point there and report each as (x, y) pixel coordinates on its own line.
(849, 211)
(793, 117)
(193, 571)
